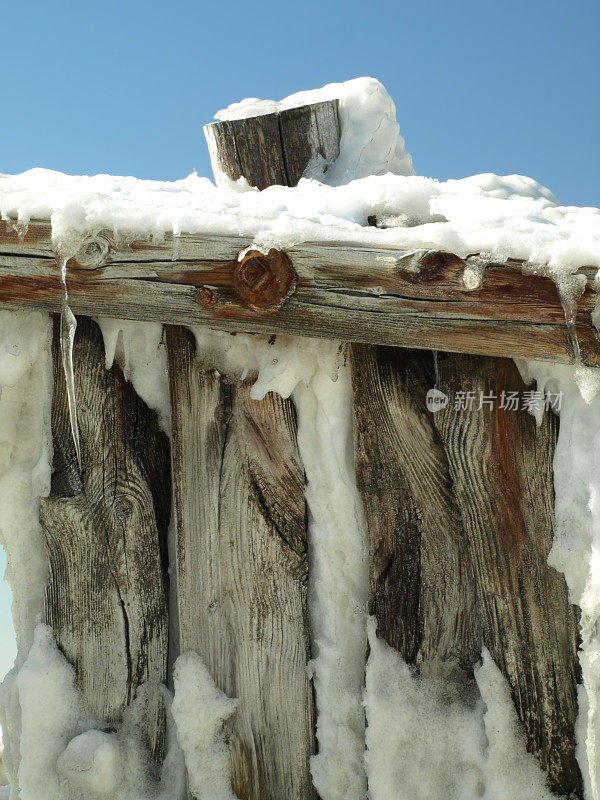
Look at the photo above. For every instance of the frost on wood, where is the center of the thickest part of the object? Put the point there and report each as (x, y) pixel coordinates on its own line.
(200, 711)
(433, 736)
(139, 349)
(67, 754)
(577, 535)
(338, 575)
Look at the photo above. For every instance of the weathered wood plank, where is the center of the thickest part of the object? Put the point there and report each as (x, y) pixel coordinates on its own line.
(106, 529)
(350, 292)
(459, 509)
(242, 566)
(501, 467)
(421, 575)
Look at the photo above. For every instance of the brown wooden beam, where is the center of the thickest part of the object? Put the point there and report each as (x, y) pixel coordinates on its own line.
(355, 293)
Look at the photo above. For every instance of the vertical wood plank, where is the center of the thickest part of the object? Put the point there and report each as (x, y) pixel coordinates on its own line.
(501, 467)
(459, 508)
(106, 535)
(421, 575)
(242, 566)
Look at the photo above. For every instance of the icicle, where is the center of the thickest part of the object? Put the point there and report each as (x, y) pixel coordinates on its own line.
(436, 370)
(570, 309)
(569, 293)
(68, 326)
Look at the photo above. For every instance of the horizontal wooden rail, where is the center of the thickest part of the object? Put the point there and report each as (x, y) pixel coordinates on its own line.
(364, 294)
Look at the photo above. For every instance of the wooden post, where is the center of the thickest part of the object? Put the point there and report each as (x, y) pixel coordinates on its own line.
(242, 560)
(242, 566)
(421, 578)
(106, 536)
(459, 508)
(278, 148)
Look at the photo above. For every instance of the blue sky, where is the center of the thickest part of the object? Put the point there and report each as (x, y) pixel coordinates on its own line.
(125, 87)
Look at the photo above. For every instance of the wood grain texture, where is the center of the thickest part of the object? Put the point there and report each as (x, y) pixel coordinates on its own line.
(459, 545)
(242, 567)
(421, 576)
(106, 532)
(278, 148)
(501, 467)
(344, 291)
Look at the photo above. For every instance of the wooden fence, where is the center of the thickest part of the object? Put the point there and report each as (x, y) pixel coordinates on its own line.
(459, 506)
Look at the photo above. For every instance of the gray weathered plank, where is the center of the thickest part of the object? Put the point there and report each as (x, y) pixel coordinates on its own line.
(459, 509)
(106, 532)
(345, 291)
(242, 566)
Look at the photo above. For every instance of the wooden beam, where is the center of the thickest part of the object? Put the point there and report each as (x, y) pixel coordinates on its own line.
(242, 566)
(106, 536)
(355, 293)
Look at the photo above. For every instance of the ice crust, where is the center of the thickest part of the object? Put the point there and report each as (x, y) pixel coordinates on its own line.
(429, 736)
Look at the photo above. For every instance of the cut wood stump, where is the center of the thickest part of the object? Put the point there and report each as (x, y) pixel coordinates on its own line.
(278, 148)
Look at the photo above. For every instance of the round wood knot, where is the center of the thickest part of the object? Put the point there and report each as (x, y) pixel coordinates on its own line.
(92, 253)
(264, 282)
(206, 297)
(122, 508)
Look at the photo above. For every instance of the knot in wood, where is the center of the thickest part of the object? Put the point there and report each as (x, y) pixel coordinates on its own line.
(92, 253)
(435, 265)
(206, 297)
(122, 509)
(264, 282)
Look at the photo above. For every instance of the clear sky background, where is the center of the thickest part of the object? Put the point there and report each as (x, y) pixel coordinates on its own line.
(125, 87)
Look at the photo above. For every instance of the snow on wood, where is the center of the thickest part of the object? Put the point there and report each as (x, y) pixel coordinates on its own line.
(363, 251)
(378, 295)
